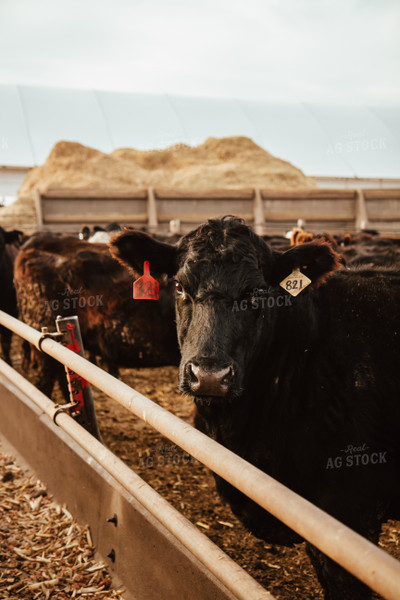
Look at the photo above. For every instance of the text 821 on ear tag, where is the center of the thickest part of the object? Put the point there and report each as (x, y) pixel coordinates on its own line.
(146, 287)
(295, 283)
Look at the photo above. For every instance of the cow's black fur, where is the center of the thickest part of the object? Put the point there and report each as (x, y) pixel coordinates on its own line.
(310, 379)
(9, 244)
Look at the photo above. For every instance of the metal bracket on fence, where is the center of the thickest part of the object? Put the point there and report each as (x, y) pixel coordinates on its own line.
(82, 404)
(63, 408)
(54, 335)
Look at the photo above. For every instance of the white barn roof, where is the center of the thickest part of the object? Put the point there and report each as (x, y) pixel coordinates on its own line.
(337, 141)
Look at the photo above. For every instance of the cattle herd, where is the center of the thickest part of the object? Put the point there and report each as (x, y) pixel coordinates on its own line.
(290, 350)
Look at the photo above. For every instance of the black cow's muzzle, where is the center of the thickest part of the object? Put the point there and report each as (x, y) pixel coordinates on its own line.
(209, 382)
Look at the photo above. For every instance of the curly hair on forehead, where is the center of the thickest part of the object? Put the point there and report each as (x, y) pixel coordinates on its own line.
(219, 235)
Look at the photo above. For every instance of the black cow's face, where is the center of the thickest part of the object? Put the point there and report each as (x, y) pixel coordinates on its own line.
(219, 328)
(222, 270)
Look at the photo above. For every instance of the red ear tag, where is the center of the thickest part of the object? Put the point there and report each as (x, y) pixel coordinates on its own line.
(146, 287)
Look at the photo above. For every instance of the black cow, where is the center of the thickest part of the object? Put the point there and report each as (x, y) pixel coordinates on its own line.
(9, 244)
(306, 388)
(62, 275)
(370, 250)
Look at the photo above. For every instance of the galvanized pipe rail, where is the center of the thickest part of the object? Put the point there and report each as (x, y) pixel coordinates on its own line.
(370, 564)
(240, 583)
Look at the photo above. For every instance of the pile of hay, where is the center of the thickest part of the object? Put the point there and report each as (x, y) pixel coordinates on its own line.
(232, 162)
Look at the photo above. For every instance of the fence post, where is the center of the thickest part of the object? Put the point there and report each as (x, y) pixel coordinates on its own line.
(152, 210)
(361, 211)
(38, 208)
(80, 391)
(258, 212)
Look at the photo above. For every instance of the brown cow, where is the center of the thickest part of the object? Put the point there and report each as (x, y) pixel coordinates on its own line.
(66, 276)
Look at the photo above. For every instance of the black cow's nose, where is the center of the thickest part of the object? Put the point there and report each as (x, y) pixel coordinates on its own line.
(206, 382)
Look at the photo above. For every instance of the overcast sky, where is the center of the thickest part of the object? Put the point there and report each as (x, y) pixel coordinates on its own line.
(338, 51)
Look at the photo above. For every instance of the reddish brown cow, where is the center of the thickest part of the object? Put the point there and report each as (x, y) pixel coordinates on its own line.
(65, 276)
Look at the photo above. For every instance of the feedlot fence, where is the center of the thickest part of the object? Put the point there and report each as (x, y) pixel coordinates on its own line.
(268, 211)
(151, 543)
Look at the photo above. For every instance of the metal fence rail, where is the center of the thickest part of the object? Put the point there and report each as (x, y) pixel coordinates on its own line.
(242, 585)
(268, 210)
(360, 557)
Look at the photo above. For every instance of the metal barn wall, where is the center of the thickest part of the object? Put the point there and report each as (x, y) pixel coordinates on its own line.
(322, 140)
(10, 182)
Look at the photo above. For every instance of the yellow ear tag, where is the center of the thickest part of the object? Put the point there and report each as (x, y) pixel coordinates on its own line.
(295, 283)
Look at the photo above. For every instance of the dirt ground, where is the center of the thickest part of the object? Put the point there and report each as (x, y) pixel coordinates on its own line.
(188, 485)
(44, 554)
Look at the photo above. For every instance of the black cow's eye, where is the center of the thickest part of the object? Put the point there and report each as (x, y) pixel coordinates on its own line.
(179, 289)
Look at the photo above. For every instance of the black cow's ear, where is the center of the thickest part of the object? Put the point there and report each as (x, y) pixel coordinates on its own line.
(13, 236)
(316, 259)
(132, 248)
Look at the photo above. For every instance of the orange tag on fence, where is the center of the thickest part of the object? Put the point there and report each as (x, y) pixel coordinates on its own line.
(146, 287)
